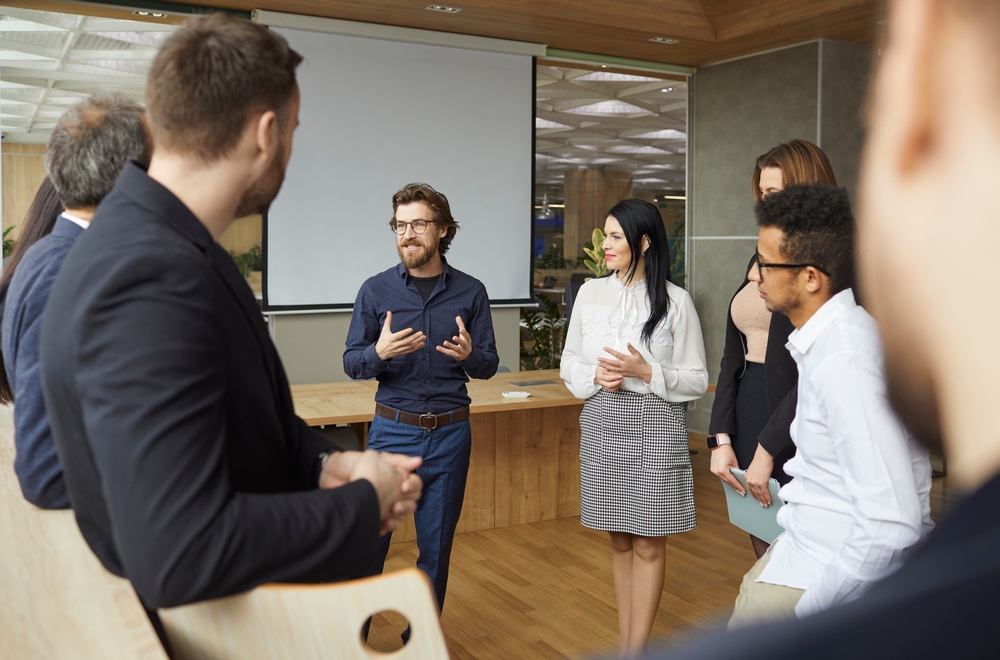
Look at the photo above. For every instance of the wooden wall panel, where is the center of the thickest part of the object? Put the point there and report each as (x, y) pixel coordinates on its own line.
(243, 234)
(589, 195)
(526, 469)
(477, 510)
(23, 172)
(564, 423)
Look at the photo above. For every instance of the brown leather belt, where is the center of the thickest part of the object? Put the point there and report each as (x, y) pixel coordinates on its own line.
(427, 421)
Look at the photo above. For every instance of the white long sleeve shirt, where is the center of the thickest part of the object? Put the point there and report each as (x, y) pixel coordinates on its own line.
(860, 492)
(609, 314)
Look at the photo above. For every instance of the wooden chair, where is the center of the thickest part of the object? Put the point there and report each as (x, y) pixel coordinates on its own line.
(307, 621)
(58, 601)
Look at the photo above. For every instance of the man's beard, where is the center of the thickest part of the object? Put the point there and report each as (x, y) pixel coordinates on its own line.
(912, 395)
(258, 197)
(416, 259)
(791, 302)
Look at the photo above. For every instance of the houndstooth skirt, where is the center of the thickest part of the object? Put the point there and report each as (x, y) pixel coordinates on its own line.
(635, 470)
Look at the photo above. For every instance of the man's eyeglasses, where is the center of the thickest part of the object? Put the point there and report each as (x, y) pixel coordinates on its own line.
(761, 265)
(419, 226)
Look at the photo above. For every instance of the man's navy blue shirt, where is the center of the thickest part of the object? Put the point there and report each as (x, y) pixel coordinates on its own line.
(425, 380)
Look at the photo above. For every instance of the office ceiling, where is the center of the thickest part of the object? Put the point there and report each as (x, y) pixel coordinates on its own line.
(586, 117)
(706, 30)
(601, 119)
(49, 61)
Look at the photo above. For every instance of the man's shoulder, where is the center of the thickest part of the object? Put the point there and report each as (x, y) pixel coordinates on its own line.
(463, 278)
(38, 269)
(386, 277)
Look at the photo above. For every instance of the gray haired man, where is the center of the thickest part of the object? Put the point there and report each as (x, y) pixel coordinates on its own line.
(90, 145)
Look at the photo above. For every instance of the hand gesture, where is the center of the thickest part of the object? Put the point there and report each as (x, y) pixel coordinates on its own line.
(723, 458)
(460, 346)
(393, 344)
(397, 485)
(758, 475)
(609, 381)
(632, 365)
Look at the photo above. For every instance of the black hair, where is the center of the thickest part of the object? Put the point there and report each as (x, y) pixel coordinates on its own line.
(818, 225)
(639, 218)
(41, 218)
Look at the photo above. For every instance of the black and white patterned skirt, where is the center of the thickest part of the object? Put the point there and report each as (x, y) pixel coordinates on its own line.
(635, 470)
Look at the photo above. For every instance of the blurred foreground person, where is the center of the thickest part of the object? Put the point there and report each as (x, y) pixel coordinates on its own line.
(929, 229)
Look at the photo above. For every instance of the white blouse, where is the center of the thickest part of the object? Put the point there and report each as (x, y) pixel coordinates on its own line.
(609, 314)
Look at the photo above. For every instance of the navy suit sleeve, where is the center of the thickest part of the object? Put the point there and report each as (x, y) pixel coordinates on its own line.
(484, 360)
(36, 462)
(152, 391)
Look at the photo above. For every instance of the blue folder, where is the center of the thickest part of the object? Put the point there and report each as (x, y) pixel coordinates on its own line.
(747, 513)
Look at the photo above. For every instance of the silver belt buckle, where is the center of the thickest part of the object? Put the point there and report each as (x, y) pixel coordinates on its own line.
(433, 419)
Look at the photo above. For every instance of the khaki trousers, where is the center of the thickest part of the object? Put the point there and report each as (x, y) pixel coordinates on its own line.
(760, 602)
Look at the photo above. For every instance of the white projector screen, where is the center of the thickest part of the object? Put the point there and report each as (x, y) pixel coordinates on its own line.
(376, 115)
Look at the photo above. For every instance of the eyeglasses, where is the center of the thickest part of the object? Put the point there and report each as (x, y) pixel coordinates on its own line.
(762, 264)
(419, 226)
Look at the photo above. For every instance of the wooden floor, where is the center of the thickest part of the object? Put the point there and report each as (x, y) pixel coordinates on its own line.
(544, 590)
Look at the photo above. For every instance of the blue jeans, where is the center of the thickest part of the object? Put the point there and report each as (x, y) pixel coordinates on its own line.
(445, 451)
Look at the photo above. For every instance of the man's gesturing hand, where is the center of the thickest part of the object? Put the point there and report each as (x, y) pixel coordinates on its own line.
(460, 346)
(392, 344)
(397, 485)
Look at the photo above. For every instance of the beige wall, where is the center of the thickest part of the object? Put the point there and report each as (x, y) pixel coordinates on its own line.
(311, 346)
(23, 172)
(243, 234)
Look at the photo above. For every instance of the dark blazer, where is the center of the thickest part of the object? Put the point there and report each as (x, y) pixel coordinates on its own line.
(940, 604)
(781, 377)
(187, 469)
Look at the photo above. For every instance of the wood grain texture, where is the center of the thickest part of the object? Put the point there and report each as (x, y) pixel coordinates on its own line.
(243, 234)
(708, 30)
(306, 622)
(23, 172)
(58, 600)
(589, 195)
(525, 452)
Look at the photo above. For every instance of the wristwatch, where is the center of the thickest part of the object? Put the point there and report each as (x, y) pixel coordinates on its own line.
(715, 440)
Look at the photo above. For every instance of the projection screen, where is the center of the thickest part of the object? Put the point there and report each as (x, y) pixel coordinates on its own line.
(377, 114)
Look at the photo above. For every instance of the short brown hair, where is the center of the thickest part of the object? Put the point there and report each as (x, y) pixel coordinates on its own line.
(438, 203)
(210, 77)
(800, 162)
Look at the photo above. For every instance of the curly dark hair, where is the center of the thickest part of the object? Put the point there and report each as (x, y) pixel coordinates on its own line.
(818, 225)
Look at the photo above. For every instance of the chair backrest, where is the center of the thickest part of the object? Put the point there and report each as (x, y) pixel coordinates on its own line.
(307, 621)
(58, 601)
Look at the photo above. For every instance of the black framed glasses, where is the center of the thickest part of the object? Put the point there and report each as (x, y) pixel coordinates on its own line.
(419, 226)
(763, 264)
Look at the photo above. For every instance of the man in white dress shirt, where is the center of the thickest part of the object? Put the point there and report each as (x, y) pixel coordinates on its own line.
(859, 497)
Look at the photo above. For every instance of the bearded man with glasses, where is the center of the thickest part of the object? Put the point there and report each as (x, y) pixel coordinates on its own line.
(422, 329)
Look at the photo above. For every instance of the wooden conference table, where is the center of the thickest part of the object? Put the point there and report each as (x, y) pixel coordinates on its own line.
(525, 464)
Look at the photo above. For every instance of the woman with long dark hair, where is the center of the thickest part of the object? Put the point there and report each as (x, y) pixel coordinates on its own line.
(40, 220)
(634, 351)
(755, 395)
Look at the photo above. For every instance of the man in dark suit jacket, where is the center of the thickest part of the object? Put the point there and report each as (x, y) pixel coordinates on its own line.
(929, 227)
(187, 469)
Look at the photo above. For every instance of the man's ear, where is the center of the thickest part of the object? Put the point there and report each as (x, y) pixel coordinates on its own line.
(814, 279)
(267, 135)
